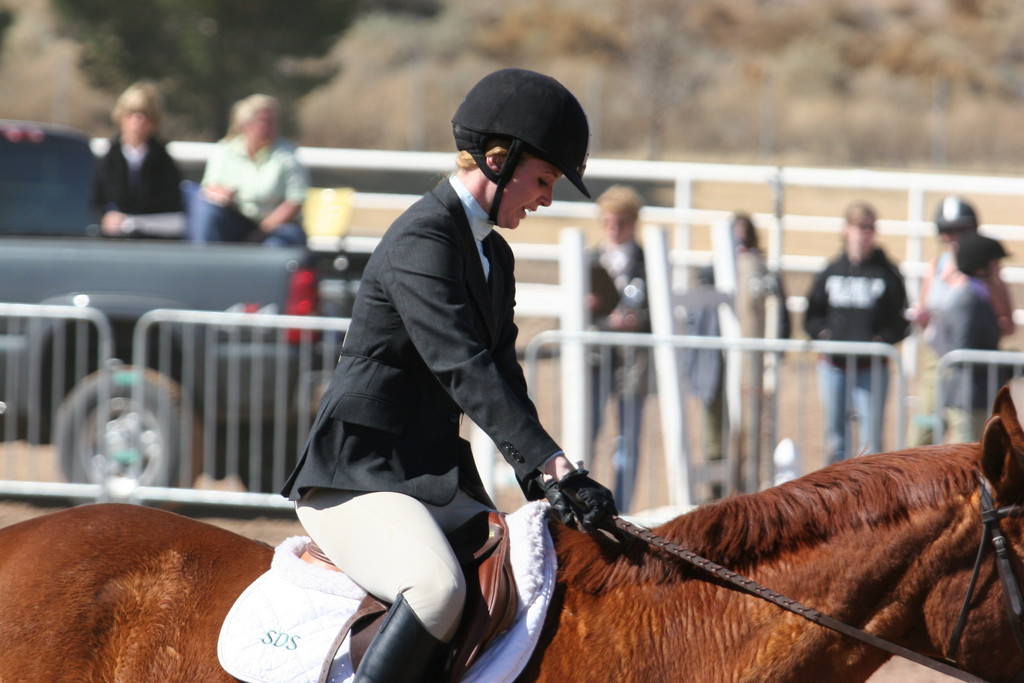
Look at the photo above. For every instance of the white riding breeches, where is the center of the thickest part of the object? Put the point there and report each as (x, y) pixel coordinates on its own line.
(391, 544)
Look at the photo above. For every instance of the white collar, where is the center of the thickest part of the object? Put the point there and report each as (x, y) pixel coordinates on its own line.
(134, 155)
(478, 222)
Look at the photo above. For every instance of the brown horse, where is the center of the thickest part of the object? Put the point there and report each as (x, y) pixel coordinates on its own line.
(885, 543)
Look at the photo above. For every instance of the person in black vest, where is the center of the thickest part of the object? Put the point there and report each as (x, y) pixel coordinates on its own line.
(384, 473)
(137, 176)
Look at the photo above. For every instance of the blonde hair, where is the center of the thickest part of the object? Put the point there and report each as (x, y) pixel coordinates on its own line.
(498, 148)
(621, 199)
(246, 109)
(858, 212)
(141, 96)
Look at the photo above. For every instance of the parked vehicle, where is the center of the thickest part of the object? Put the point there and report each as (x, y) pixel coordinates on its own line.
(54, 385)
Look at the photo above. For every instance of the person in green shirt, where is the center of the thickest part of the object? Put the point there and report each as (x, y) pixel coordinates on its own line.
(253, 186)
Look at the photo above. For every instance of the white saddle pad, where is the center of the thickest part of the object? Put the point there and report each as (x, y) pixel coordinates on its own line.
(281, 627)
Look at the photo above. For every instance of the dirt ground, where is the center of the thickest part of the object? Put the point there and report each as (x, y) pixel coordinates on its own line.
(273, 529)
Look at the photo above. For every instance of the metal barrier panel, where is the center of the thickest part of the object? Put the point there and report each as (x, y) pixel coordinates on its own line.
(781, 432)
(47, 353)
(967, 381)
(216, 406)
(213, 408)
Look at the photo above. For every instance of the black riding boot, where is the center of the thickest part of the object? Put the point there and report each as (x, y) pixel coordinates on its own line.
(402, 651)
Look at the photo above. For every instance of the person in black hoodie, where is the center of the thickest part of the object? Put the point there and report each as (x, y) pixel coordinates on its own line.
(860, 296)
(137, 177)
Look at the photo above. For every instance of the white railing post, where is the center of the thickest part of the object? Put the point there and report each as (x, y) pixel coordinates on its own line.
(667, 367)
(574, 277)
(683, 229)
(915, 254)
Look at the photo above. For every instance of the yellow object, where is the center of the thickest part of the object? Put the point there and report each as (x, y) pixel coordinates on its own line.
(328, 211)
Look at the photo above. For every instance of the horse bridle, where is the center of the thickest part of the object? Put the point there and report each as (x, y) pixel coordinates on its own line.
(990, 517)
(1012, 598)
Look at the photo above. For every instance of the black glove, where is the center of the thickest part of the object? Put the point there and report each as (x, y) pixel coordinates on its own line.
(579, 501)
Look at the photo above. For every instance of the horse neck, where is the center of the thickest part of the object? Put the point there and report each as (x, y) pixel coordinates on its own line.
(870, 563)
(867, 543)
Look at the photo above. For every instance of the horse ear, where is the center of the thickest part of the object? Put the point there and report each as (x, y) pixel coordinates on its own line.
(1002, 444)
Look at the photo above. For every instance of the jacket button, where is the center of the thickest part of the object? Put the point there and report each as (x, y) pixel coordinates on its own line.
(453, 418)
(511, 451)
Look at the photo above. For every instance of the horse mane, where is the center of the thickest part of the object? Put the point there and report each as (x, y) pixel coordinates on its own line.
(737, 532)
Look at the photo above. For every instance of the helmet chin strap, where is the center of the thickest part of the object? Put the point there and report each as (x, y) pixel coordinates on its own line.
(508, 168)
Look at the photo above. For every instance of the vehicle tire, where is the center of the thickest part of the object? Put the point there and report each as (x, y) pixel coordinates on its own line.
(154, 458)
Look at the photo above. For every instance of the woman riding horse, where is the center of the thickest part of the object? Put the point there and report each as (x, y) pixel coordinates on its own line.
(385, 473)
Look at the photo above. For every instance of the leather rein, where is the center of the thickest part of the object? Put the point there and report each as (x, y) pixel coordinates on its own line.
(990, 517)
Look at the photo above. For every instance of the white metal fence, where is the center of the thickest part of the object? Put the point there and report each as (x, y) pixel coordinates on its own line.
(45, 351)
(686, 211)
(219, 378)
(213, 408)
(967, 381)
(778, 402)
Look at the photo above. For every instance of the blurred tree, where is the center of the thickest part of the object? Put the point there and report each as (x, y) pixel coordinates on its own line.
(414, 8)
(207, 54)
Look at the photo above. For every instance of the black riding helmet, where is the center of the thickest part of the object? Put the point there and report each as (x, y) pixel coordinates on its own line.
(955, 214)
(536, 113)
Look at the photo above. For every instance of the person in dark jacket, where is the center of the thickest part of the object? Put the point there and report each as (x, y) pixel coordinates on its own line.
(137, 177)
(860, 297)
(620, 305)
(384, 473)
(970, 321)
